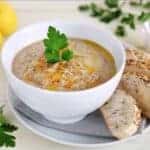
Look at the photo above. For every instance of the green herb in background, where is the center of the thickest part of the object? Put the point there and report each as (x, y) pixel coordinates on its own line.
(6, 129)
(129, 20)
(109, 16)
(112, 3)
(113, 12)
(135, 4)
(120, 31)
(146, 5)
(95, 10)
(144, 16)
(54, 44)
(84, 7)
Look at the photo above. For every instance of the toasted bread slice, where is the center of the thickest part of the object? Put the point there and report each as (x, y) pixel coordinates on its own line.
(121, 114)
(139, 90)
(138, 63)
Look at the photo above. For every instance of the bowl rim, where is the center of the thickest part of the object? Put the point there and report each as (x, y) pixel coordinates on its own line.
(121, 68)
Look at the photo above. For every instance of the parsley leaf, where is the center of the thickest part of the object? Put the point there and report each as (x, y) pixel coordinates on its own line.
(2, 118)
(95, 10)
(54, 43)
(7, 127)
(135, 4)
(129, 20)
(6, 139)
(55, 40)
(146, 5)
(113, 11)
(109, 16)
(67, 55)
(144, 16)
(120, 31)
(112, 3)
(83, 7)
(52, 56)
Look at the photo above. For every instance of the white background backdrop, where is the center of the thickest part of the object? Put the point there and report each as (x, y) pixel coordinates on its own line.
(33, 11)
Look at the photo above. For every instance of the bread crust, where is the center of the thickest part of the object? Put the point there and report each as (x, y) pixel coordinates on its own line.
(134, 90)
(138, 63)
(121, 114)
(139, 90)
(136, 78)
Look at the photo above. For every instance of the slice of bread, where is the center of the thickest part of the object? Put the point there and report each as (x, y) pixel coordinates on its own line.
(139, 90)
(121, 114)
(138, 63)
(136, 78)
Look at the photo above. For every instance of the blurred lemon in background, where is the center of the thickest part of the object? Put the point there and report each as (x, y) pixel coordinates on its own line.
(1, 39)
(8, 19)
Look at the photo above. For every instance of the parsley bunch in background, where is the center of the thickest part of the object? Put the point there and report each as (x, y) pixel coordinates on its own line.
(6, 130)
(56, 46)
(139, 4)
(113, 11)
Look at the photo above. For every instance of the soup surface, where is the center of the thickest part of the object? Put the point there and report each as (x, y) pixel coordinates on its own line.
(91, 65)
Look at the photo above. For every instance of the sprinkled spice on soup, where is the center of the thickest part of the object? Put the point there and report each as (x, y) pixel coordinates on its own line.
(82, 65)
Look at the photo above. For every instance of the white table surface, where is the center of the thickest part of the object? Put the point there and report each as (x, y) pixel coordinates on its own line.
(30, 12)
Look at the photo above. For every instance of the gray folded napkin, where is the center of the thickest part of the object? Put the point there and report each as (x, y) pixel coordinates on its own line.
(92, 125)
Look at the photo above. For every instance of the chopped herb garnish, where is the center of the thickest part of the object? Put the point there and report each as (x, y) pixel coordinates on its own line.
(120, 31)
(144, 16)
(109, 16)
(6, 139)
(129, 20)
(83, 7)
(54, 43)
(112, 3)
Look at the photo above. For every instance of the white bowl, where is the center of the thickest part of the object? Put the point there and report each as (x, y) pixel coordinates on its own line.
(57, 106)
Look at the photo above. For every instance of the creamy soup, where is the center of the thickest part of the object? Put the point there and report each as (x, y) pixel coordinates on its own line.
(91, 65)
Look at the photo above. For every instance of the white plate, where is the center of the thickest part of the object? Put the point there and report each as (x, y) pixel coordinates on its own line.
(63, 137)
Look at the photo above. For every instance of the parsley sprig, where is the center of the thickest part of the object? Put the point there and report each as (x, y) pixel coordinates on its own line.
(144, 16)
(95, 11)
(84, 7)
(145, 5)
(112, 3)
(113, 11)
(120, 30)
(109, 16)
(129, 20)
(6, 139)
(56, 46)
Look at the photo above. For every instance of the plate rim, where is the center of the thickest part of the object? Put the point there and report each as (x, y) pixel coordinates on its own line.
(58, 141)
